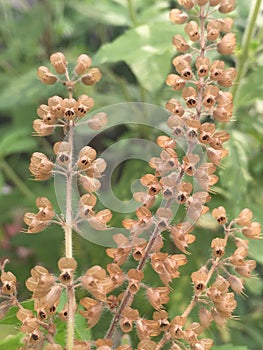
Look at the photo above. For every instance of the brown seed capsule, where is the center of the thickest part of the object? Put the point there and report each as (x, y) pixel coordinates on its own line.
(175, 107)
(220, 215)
(228, 77)
(94, 75)
(227, 24)
(218, 245)
(227, 6)
(175, 81)
(190, 96)
(180, 43)
(213, 30)
(216, 70)
(98, 121)
(252, 230)
(62, 150)
(191, 30)
(202, 2)
(182, 65)
(177, 16)
(9, 283)
(69, 107)
(236, 284)
(55, 104)
(205, 317)
(209, 95)
(227, 45)
(83, 63)
(244, 218)
(41, 128)
(84, 104)
(187, 4)
(86, 156)
(46, 76)
(214, 2)
(202, 64)
(58, 61)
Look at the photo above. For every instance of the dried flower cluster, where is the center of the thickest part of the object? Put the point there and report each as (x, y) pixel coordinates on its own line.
(203, 84)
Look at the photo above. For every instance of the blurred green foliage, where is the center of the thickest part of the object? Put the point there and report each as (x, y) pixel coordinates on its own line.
(131, 42)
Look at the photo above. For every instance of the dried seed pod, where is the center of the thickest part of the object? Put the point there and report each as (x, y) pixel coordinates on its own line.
(41, 128)
(84, 104)
(187, 4)
(83, 63)
(46, 211)
(45, 113)
(67, 266)
(218, 245)
(227, 6)
(216, 70)
(199, 279)
(69, 107)
(202, 2)
(209, 95)
(86, 156)
(202, 64)
(180, 43)
(213, 30)
(177, 16)
(53, 347)
(9, 283)
(175, 107)
(220, 215)
(92, 77)
(190, 96)
(158, 296)
(205, 317)
(191, 30)
(228, 77)
(175, 81)
(46, 76)
(227, 44)
(93, 311)
(236, 284)
(40, 166)
(63, 151)
(244, 218)
(58, 61)
(98, 121)
(134, 277)
(252, 230)
(227, 24)
(55, 104)
(86, 204)
(214, 2)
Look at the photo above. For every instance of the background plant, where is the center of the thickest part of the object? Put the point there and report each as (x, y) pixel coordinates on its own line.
(19, 83)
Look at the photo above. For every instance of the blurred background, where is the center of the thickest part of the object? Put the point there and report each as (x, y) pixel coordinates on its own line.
(130, 41)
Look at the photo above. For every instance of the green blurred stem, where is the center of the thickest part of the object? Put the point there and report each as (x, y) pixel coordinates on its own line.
(249, 31)
(132, 12)
(9, 172)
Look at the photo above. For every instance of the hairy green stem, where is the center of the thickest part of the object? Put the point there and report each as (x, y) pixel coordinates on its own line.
(249, 31)
(9, 172)
(68, 242)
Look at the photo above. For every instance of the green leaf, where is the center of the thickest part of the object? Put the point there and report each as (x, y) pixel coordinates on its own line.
(251, 88)
(10, 318)
(17, 141)
(230, 347)
(256, 249)
(235, 174)
(81, 328)
(146, 51)
(114, 12)
(11, 342)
